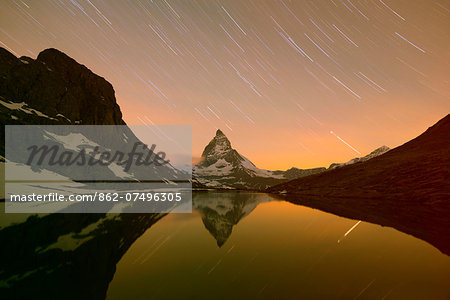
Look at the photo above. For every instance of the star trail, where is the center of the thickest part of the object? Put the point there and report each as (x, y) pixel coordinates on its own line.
(277, 76)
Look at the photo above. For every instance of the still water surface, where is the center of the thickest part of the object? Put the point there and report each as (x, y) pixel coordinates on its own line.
(253, 246)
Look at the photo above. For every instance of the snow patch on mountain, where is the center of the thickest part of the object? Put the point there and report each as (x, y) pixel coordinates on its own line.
(377, 152)
(71, 141)
(22, 106)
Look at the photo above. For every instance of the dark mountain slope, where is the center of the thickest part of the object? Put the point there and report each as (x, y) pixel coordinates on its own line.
(407, 188)
(56, 86)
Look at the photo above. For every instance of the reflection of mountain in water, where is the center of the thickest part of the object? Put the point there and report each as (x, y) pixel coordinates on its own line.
(220, 211)
(74, 256)
(66, 256)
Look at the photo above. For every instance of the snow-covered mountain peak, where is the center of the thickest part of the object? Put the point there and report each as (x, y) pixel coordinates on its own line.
(219, 148)
(219, 145)
(219, 133)
(224, 167)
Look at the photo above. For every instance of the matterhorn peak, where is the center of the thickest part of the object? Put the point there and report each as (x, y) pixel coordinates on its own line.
(221, 138)
(222, 166)
(219, 132)
(217, 147)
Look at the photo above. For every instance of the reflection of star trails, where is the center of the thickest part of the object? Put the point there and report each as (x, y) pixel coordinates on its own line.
(345, 142)
(350, 230)
(212, 269)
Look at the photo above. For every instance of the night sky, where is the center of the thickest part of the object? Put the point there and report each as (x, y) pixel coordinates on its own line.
(291, 83)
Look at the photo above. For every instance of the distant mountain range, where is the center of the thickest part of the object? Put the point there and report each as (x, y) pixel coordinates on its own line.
(223, 167)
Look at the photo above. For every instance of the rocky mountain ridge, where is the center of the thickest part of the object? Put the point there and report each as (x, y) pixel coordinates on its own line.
(57, 88)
